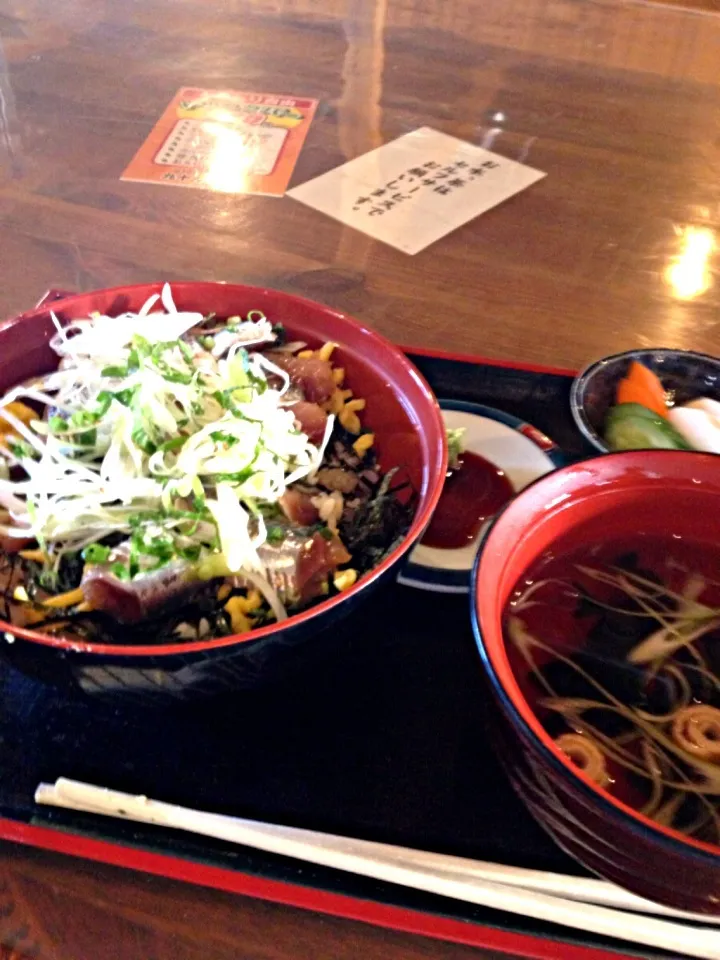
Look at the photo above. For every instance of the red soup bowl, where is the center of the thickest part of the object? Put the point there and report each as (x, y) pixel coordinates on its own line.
(409, 433)
(655, 492)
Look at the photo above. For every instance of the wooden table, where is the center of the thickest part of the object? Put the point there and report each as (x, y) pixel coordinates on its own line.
(618, 102)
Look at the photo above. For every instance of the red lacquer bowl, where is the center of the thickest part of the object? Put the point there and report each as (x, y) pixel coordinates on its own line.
(401, 410)
(660, 492)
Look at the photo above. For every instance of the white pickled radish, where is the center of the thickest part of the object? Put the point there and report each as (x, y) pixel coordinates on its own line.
(696, 427)
(708, 406)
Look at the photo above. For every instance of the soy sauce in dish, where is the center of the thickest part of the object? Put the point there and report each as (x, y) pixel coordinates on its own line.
(471, 495)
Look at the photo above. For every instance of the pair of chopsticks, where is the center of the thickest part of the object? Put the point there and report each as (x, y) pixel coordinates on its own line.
(594, 906)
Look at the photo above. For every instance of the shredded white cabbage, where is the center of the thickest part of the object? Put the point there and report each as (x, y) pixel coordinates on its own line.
(151, 428)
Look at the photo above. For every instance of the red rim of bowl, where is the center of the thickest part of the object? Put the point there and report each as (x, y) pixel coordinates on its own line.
(420, 520)
(503, 679)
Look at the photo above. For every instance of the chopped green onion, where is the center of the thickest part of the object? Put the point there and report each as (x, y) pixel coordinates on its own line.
(104, 398)
(173, 444)
(190, 553)
(126, 397)
(241, 476)
(227, 438)
(275, 534)
(86, 439)
(120, 571)
(140, 437)
(20, 449)
(96, 553)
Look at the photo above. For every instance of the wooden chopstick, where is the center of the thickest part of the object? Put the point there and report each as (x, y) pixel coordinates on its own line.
(471, 881)
(584, 889)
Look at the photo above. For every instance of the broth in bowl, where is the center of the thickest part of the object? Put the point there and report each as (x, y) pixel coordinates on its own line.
(615, 645)
(594, 599)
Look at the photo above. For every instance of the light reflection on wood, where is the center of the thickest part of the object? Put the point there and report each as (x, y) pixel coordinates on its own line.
(631, 36)
(362, 80)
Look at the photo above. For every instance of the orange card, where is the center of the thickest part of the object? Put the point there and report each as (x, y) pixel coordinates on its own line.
(225, 140)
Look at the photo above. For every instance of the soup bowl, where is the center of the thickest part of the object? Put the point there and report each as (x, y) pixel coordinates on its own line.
(659, 493)
(409, 433)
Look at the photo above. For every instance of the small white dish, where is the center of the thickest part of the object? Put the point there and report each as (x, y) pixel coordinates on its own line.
(521, 451)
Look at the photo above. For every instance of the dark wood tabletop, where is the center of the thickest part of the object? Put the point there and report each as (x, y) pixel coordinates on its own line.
(618, 102)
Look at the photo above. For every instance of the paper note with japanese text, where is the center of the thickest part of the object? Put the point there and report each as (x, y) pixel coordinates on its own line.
(225, 140)
(416, 189)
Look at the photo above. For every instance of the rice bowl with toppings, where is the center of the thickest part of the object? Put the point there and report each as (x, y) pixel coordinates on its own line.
(181, 478)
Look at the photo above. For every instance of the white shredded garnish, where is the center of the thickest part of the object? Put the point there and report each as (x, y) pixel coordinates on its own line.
(182, 438)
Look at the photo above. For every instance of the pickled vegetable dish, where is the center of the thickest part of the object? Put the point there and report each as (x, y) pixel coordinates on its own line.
(645, 416)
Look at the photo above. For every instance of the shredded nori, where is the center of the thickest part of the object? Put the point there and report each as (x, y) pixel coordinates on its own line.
(67, 576)
(377, 525)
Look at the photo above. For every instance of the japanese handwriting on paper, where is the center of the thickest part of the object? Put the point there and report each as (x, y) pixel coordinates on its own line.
(430, 175)
(483, 168)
